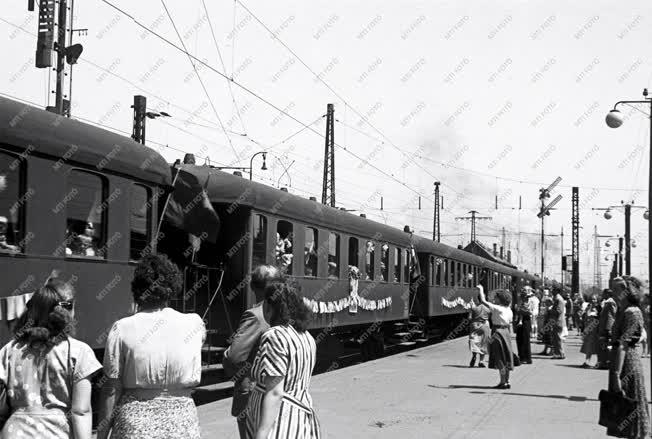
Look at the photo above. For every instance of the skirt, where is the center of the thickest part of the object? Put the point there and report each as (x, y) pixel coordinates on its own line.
(590, 343)
(164, 417)
(479, 338)
(501, 355)
(632, 378)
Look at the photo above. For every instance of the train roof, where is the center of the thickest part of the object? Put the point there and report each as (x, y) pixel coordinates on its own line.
(48, 134)
(424, 245)
(230, 189)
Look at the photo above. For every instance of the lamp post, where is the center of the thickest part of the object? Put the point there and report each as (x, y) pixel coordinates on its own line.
(615, 119)
(619, 255)
(628, 219)
(251, 163)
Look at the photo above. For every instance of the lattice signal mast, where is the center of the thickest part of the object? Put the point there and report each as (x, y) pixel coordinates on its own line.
(328, 185)
(473, 219)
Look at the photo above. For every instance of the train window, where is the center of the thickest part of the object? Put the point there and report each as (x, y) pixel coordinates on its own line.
(438, 272)
(458, 271)
(284, 241)
(453, 269)
(259, 253)
(11, 204)
(86, 215)
(397, 264)
(384, 262)
(353, 252)
(431, 270)
(444, 273)
(406, 267)
(140, 233)
(310, 252)
(333, 255)
(369, 260)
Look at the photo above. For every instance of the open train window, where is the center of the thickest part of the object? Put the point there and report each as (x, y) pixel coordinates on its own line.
(12, 202)
(141, 230)
(259, 253)
(465, 273)
(384, 262)
(397, 264)
(370, 262)
(353, 252)
(406, 267)
(333, 255)
(284, 242)
(453, 270)
(438, 265)
(444, 273)
(310, 252)
(86, 209)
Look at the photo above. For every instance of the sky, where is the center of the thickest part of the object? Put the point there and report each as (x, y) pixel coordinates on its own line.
(492, 100)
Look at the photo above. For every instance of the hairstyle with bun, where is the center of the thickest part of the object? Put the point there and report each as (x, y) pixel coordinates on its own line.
(45, 322)
(503, 297)
(156, 280)
(631, 287)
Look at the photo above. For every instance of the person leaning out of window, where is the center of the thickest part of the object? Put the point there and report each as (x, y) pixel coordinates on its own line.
(46, 371)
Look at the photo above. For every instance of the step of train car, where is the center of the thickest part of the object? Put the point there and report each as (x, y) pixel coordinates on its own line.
(212, 374)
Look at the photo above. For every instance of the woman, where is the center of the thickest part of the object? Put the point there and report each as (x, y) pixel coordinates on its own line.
(626, 370)
(280, 405)
(152, 361)
(46, 371)
(545, 328)
(501, 356)
(479, 333)
(591, 320)
(523, 329)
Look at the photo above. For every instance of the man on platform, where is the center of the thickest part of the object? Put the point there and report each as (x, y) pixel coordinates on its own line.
(239, 357)
(606, 322)
(533, 307)
(557, 321)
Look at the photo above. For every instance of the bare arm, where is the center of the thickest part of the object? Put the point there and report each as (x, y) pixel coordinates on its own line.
(111, 392)
(81, 413)
(271, 405)
(483, 299)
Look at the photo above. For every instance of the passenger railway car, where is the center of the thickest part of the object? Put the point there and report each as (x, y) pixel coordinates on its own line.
(87, 203)
(78, 200)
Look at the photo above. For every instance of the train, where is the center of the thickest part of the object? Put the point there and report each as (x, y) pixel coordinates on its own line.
(86, 203)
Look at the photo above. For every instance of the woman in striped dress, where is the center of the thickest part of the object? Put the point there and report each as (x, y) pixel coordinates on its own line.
(280, 405)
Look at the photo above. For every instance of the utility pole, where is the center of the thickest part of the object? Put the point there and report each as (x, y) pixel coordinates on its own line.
(562, 256)
(140, 110)
(628, 243)
(473, 218)
(436, 231)
(59, 47)
(575, 224)
(328, 185)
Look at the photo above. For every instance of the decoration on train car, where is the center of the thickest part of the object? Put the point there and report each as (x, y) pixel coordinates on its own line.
(352, 302)
(12, 307)
(457, 302)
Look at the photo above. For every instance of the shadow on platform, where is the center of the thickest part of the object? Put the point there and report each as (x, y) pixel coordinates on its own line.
(460, 386)
(461, 366)
(463, 386)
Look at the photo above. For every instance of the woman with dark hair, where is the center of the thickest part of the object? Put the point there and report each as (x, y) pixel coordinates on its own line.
(152, 361)
(523, 328)
(280, 405)
(626, 372)
(46, 371)
(501, 355)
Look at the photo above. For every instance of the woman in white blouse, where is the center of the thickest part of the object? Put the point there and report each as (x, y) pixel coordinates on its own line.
(500, 345)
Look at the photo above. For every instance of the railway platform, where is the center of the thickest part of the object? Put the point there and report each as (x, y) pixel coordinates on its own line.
(431, 392)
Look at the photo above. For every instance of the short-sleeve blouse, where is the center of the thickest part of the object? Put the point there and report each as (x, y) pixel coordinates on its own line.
(36, 377)
(156, 350)
(501, 315)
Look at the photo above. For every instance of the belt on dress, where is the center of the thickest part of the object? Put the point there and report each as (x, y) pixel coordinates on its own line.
(501, 326)
(289, 399)
(142, 393)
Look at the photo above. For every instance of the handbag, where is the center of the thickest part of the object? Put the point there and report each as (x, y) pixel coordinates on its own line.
(615, 409)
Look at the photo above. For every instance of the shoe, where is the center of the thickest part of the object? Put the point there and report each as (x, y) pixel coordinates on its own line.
(527, 362)
(545, 353)
(586, 366)
(482, 365)
(502, 386)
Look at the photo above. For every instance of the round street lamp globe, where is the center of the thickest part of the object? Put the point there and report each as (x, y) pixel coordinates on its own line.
(607, 244)
(646, 215)
(614, 119)
(607, 215)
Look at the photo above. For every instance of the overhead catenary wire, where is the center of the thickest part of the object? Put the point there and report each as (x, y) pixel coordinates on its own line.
(203, 86)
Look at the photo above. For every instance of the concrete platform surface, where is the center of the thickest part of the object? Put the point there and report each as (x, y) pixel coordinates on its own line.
(432, 393)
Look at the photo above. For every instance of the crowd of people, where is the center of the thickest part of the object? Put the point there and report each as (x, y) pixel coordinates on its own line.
(614, 329)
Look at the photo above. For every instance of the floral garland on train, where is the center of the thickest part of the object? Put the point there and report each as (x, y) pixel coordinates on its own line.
(352, 301)
(457, 302)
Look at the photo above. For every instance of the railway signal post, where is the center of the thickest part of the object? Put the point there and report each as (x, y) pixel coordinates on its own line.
(545, 210)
